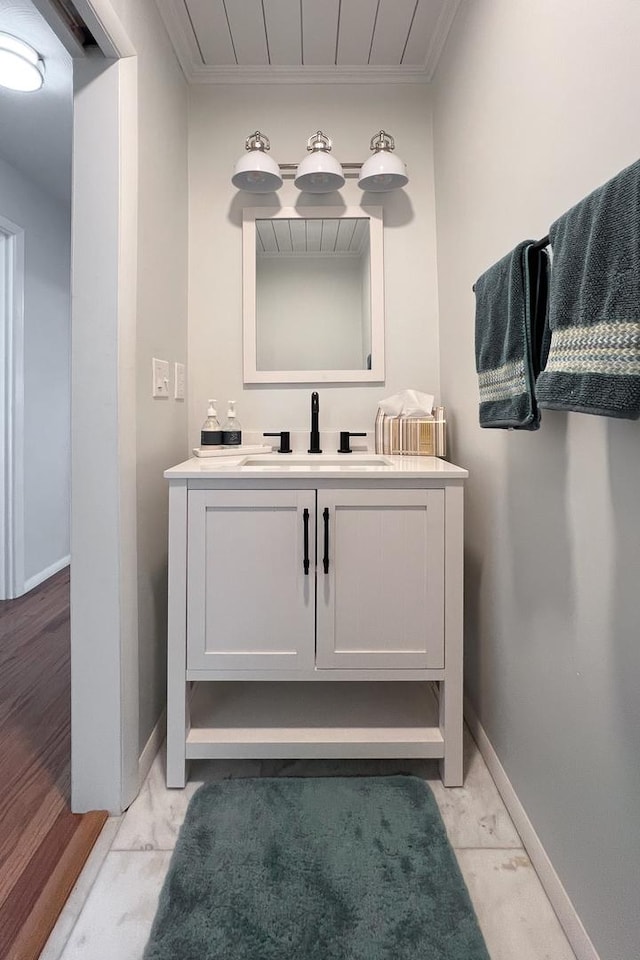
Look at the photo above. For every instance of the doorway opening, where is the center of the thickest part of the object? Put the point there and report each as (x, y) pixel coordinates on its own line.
(43, 845)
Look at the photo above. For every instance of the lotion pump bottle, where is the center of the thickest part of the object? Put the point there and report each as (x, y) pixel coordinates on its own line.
(211, 433)
(231, 430)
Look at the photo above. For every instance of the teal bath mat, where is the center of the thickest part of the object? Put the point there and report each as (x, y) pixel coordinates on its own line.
(344, 868)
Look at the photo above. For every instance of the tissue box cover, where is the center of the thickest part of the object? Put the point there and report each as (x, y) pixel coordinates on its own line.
(412, 436)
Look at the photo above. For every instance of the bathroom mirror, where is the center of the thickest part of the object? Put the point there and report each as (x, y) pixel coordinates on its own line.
(313, 295)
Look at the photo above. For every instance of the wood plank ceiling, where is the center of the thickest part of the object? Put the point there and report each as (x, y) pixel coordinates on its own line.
(308, 40)
(327, 237)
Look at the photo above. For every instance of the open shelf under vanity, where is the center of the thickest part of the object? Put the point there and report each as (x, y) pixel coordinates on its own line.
(287, 720)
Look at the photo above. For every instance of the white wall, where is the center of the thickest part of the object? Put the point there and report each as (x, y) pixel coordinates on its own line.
(104, 650)
(536, 105)
(47, 329)
(220, 120)
(161, 325)
(130, 250)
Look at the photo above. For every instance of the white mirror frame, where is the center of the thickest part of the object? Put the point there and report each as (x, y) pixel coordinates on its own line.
(251, 373)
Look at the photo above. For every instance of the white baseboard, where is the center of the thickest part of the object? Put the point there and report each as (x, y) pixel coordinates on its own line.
(46, 573)
(558, 897)
(153, 744)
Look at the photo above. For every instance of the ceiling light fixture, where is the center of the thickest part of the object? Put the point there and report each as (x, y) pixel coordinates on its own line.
(320, 172)
(255, 171)
(21, 67)
(383, 171)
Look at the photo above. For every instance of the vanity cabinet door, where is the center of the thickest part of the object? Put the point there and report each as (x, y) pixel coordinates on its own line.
(250, 604)
(380, 595)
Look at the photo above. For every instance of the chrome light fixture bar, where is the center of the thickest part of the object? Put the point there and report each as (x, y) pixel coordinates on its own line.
(21, 67)
(320, 172)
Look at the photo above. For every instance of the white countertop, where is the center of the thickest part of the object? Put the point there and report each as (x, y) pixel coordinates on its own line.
(324, 466)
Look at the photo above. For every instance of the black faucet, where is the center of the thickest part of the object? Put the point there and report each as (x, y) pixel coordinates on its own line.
(314, 437)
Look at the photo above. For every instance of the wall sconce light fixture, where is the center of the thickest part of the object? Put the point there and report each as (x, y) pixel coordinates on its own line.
(319, 172)
(383, 171)
(255, 171)
(21, 67)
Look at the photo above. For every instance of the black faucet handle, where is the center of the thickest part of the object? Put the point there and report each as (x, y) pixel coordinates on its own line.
(285, 440)
(345, 437)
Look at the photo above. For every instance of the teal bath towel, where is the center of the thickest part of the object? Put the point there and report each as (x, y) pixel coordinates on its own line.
(594, 304)
(511, 311)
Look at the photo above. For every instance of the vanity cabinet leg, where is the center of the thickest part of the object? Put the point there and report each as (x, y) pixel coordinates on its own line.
(451, 724)
(178, 717)
(177, 706)
(451, 689)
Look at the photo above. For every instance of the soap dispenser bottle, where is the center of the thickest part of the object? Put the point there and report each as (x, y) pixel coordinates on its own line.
(211, 433)
(231, 430)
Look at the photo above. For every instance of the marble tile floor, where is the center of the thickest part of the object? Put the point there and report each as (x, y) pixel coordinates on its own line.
(109, 913)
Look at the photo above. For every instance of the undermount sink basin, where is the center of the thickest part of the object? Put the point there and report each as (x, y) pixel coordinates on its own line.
(319, 461)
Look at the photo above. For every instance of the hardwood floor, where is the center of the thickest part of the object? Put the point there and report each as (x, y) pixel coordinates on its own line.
(43, 846)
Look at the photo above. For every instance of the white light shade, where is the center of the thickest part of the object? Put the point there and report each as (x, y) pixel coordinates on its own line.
(255, 171)
(319, 172)
(21, 68)
(383, 171)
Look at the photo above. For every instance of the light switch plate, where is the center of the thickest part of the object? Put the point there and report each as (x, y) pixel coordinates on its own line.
(160, 378)
(178, 381)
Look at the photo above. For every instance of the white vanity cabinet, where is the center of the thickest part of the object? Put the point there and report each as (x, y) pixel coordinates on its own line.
(261, 595)
(315, 614)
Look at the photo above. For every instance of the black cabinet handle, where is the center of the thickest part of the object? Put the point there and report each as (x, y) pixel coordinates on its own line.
(325, 559)
(305, 517)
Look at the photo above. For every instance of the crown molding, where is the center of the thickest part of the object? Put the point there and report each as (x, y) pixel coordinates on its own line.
(295, 74)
